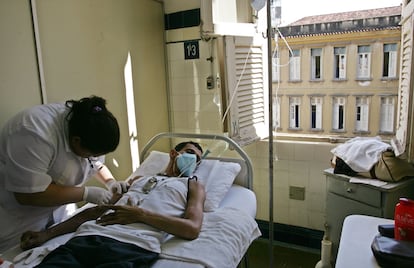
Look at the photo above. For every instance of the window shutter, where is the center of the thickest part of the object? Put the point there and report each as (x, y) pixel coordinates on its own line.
(319, 114)
(247, 87)
(342, 66)
(400, 140)
(392, 72)
(387, 114)
(335, 118)
(364, 116)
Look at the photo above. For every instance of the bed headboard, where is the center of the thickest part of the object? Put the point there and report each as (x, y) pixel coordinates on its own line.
(244, 178)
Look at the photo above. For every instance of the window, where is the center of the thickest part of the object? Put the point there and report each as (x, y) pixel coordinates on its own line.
(364, 62)
(316, 63)
(275, 66)
(387, 114)
(276, 113)
(362, 112)
(389, 67)
(339, 63)
(294, 65)
(294, 112)
(338, 114)
(316, 113)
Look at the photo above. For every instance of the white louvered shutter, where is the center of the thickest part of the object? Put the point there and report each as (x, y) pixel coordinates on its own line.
(247, 88)
(399, 142)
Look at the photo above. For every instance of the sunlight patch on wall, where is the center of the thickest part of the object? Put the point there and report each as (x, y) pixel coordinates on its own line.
(132, 126)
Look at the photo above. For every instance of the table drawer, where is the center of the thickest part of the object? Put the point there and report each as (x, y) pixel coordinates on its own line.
(354, 191)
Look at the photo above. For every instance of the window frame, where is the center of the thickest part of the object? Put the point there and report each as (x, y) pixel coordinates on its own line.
(339, 54)
(389, 62)
(294, 65)
(338, 102)
(276, 66)
(294, 112)
(363, 62)
(387, 114)
(362, 107)
(276, 113)
(316, 63)
(317, 115)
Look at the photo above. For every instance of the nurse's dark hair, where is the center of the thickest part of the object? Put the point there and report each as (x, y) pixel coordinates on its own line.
(90, 120)
(181, 145)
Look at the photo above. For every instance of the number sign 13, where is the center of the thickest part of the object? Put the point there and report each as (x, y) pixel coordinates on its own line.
(191, 50)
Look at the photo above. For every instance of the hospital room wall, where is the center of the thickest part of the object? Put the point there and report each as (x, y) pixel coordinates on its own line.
(85, 47)
(194, 108)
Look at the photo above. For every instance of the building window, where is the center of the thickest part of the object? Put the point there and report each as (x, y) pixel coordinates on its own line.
(275, 66)
(339, 62)
(364, 62)
(362, 113)
(338, 115)
(387, 114)
(389, 67)
(316, 113)
(316, 63)
(294, 112)
(276, 113)
(294, 65)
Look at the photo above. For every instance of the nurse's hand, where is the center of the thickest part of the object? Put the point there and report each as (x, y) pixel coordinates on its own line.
(97, 195)
(118, 187)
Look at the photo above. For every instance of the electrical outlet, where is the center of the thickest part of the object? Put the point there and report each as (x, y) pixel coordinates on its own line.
(297, 193)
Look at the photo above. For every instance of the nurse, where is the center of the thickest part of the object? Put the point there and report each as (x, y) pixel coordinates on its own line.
(46, 154)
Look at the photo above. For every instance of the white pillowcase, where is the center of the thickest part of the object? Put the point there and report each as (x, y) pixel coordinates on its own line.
(216, 176)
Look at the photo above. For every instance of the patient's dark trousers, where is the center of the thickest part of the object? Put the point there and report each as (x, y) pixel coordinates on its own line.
(98, 251)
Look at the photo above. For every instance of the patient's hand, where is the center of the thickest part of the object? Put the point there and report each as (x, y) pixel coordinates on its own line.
(31, 239)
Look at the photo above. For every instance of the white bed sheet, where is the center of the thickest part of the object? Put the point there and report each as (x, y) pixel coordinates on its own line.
(238, 198)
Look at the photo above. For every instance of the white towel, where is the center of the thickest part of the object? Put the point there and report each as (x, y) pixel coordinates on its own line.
(361, 153)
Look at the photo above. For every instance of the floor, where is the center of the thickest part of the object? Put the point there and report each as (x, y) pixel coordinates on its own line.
(284, 255)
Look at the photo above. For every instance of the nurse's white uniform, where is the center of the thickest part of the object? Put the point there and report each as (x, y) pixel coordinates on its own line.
(34, 152)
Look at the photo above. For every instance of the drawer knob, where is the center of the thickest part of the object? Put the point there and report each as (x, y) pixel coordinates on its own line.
(349, 190)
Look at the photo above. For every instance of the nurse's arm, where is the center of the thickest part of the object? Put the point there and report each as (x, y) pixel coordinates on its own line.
(32, 239)
(54, 195)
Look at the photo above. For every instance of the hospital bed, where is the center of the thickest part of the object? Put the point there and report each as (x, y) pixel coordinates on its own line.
(229, 225)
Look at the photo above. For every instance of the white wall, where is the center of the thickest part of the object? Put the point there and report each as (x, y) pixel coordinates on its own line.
(19, 83)
(85, 45)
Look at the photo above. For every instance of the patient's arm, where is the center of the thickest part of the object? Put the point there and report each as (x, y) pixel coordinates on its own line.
(32, 239)
(187, 227)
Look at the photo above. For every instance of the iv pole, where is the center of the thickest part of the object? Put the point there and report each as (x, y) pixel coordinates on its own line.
(269, 35)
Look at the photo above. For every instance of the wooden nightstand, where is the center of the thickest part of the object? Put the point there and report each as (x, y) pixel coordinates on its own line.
(344, 198)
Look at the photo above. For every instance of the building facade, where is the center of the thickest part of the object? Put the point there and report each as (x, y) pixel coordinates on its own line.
(337, 75)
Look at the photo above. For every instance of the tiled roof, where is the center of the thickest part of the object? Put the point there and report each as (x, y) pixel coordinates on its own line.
(351, 15)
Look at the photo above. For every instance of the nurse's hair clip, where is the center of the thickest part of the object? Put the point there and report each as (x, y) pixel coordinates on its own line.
(96, 109)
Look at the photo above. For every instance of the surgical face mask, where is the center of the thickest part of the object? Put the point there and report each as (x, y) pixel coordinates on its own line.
(186, 163)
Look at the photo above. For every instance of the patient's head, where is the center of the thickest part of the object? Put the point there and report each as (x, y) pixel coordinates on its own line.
(184, 159)
(190, 147)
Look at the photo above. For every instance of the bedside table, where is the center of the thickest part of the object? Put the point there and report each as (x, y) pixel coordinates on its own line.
(345, 198)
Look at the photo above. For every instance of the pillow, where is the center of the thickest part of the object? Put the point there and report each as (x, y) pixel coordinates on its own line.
(216, 176)
(155, 163)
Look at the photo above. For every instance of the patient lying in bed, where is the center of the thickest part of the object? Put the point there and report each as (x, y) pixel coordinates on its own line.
(132, 231)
